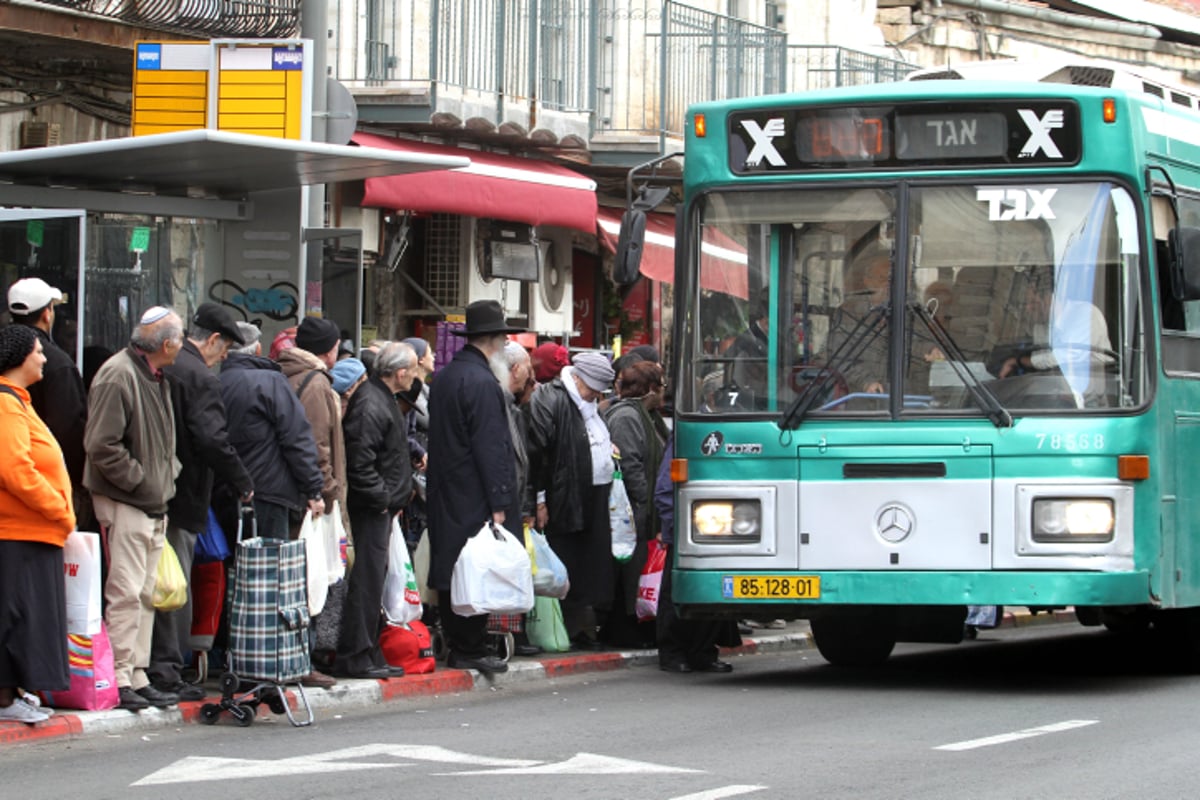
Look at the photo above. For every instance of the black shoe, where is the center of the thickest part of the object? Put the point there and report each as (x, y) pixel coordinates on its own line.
(394, 671)
(675, 666)
(713, 666)
(187, 692)
(370, 673)
(586, 643)
(527, 650)
(488, 664)
(130, 700)
(157, 698)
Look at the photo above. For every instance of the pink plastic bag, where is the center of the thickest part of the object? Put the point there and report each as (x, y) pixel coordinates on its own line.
(93, 675)
(651, 582)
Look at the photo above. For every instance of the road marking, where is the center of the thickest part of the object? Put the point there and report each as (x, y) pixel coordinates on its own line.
(585, 764)
(724, 791)
(195, 769)
(1004, 738)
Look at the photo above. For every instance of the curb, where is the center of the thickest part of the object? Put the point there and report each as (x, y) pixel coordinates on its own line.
(348, 694)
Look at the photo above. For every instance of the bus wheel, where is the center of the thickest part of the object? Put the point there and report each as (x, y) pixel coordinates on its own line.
(1126, 620)
(854, 639)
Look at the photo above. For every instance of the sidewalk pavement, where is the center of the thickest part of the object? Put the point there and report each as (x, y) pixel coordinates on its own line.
(66, 725)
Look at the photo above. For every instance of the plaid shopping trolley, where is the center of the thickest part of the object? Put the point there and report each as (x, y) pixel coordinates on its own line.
(268, 630)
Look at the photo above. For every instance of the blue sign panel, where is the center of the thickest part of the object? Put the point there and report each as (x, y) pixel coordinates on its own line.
(149, 56)
(287, 58)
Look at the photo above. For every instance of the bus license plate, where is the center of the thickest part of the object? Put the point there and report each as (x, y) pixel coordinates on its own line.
(771, 587)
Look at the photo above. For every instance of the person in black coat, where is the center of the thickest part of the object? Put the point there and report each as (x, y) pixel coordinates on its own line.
(571, 473)
(59, 397)
(272, 436)
(472, 470)
(203, 447)
(379, 485)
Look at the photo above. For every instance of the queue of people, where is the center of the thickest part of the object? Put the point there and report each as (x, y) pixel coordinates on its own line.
(503, 435)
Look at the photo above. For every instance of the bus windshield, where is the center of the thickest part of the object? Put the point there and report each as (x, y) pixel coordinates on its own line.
(1025, 293)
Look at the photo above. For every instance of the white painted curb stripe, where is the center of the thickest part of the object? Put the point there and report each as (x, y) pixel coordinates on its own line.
(1004, 738)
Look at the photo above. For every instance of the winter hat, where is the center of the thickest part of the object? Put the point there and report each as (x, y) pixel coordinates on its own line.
(548, 361)
(346, 373)
(16, 343)
(594, 370)
(418, 344)
(317, 336)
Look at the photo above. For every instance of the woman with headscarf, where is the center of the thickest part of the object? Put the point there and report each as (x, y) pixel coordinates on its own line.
(36, 517)
(639, 434)
(570, 474)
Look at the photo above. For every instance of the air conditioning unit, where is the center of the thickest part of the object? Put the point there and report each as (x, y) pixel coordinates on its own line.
(40, 134)
(551, 305)
(477, 282)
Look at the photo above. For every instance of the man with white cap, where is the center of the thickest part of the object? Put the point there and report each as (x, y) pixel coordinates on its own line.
(59, 397)
(130, 471)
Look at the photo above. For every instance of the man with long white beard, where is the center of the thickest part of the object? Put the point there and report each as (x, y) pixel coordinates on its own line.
(472, 471)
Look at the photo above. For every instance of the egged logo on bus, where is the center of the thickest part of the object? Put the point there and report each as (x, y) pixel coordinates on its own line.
(763, 138)
(1039, 132)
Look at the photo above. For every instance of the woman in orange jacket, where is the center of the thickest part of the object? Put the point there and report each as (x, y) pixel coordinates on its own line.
(36, 517)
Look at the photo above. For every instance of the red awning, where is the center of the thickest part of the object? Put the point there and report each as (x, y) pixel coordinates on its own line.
(494, 186)
(722, 263)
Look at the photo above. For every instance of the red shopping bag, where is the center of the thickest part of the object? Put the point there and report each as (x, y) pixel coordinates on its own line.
(651, 581)
(208, 600)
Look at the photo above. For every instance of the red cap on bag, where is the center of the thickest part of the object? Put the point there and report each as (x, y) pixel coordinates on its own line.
(408, 646)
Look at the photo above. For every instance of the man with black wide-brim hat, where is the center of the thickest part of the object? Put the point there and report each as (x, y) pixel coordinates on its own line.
(472, 470)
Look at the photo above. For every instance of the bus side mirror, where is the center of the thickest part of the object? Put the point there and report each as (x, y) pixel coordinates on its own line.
(629, 247)
(1183, 249)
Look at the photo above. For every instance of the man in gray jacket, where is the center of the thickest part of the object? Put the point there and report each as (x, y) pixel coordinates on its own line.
(130, 471)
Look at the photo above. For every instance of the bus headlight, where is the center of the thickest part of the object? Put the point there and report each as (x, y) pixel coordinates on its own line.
(727, 520)
(1073, 520)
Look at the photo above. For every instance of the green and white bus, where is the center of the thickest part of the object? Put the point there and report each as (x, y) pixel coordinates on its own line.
(937, 344)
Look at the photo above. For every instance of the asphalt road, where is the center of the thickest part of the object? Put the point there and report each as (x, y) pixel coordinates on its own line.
(1052, 712)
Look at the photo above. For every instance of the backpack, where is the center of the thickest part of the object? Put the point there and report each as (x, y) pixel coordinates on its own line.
(409, 646)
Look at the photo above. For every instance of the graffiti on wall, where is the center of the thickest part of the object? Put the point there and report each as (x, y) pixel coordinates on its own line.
(278, 302)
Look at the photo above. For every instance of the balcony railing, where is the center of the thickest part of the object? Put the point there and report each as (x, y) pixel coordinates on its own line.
(267, 19)
(658, 58)
(629, 68)
(815, 66)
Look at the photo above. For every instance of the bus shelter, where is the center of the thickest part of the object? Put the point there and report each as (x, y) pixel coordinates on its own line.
(177, 219)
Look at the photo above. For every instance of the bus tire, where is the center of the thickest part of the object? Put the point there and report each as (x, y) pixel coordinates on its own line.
(854, 639)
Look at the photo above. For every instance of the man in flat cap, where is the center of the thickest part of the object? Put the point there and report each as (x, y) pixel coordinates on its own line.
(130, 471)
(203, 447)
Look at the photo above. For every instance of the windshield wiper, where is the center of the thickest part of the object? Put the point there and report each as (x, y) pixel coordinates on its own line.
(984, 397)
(851, 348)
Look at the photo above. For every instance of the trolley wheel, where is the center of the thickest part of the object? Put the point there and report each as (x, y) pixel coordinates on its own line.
(273, 697)
(229, 684)
(210, 713)
(244, 714)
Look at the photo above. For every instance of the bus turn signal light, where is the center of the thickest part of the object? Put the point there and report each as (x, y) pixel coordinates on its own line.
(700, 126)
(679, 470)
(1110, 110)
(1133, 468)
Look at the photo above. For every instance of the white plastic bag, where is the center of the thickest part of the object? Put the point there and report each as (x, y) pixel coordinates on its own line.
(401, 598)
(312, 533)
(333, 534)
(620, 518)
(493, 575)
(81, 568)
(550, 577)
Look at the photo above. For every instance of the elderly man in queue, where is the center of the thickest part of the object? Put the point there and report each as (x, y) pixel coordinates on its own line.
(202, 445)
(130, 471)
(379, 472)
(472, 471)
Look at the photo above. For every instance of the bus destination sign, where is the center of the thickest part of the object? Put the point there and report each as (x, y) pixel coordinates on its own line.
(921, 135)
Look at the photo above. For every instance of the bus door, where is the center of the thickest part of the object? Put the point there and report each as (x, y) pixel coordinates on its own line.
(906, 507)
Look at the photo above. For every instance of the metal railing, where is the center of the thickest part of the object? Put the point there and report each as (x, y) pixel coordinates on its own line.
(512, 51)
(816, 66)
(267, 19)
(657, 58)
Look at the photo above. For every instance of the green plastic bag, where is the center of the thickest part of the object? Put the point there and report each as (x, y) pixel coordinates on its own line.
(544, 625)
